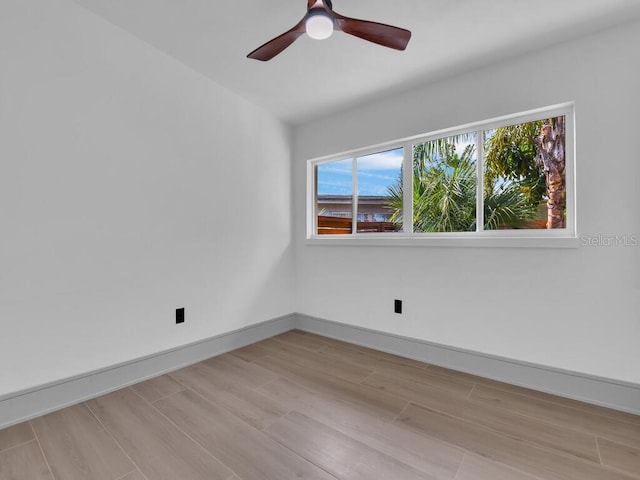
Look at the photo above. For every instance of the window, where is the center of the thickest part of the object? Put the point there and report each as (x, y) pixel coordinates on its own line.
(373, 177)
(376, 176)
(334, 187)
(445, 184)
(510, 177)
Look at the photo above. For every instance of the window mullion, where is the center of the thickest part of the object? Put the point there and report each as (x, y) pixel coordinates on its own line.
(407, 189)
(314, 209)
(480, 181)
(354, 195)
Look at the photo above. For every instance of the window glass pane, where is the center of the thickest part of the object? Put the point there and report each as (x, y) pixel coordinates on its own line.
(524, 185)
(334, 206)
(444, 184)
(380, 191)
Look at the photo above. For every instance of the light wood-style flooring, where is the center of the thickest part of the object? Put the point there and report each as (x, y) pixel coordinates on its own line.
(301, 406)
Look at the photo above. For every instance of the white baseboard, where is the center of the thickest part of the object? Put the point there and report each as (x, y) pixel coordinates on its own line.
(28, 404)
(616, 394)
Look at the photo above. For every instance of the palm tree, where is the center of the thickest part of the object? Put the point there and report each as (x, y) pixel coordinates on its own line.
(533, 154)
(506, 205)
(444, 191)
(550, 144)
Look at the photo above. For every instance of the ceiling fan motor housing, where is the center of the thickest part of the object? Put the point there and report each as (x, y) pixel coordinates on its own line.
(319, 24)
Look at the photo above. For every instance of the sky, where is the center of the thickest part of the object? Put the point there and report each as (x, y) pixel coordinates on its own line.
(375, 173)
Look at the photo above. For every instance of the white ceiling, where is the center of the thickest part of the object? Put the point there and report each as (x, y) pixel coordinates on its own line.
(313, 78)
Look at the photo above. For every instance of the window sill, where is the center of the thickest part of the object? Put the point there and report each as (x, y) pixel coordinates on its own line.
(443, 241)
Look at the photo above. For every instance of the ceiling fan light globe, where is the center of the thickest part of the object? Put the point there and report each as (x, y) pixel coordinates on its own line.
(319, 26)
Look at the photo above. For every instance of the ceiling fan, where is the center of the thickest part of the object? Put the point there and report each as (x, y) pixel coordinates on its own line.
(320, 22)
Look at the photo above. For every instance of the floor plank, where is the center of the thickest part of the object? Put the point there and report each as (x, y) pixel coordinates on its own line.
(273, 345)
(620, 456)
(425, 454)
(135, 475)
(378, 364)
(547, 397)
(77, 447)
(16, 435)
(157, 388)
(555, 413)
(374, 401)
(478, 468)
(250, 405)
(251, 352)
(248, 452)
(24, 462)
(370, 354)
(230, 370)
(331, 365)
(159, 449)
(523, 428)
(419, 384)
(300, 339)
(481, 441)
(327, 340)
(338, 454)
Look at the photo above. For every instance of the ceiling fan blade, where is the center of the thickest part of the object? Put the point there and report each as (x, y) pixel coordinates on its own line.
(380, 33)
(275, 46)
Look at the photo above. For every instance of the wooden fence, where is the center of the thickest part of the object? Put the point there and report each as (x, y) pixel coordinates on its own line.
(339, 225)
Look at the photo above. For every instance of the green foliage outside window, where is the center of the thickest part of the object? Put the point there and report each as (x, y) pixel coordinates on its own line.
(515, 179)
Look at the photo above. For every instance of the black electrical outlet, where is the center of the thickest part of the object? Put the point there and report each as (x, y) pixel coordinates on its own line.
(179, 315)
(397, 306)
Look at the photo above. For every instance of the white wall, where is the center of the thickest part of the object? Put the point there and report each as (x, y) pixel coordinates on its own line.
(129, 186)
(575, 309)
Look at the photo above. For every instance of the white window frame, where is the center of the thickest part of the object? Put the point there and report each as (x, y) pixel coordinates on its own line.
(559, 238)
